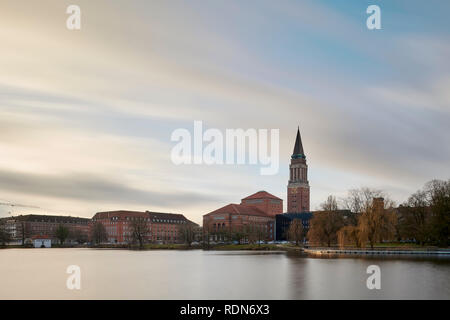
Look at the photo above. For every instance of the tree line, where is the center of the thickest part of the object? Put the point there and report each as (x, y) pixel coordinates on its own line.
(367, 217)
(62, 233)
(253, 233)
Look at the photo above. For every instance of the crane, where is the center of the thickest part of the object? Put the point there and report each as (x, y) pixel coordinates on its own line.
(12, 205)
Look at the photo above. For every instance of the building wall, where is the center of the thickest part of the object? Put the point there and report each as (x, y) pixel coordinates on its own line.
(298, 199)
(39, 243)
(31, 226)
(270, 206)
(298, 187)
(162, 227)
(233, 222)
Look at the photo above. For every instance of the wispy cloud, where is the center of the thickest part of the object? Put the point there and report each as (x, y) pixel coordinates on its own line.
(96, 107)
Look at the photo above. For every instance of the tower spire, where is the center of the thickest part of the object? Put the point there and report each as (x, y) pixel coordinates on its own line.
(298, 185)
(298, 147)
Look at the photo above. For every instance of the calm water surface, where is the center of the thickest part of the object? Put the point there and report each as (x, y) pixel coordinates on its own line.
(197, 274)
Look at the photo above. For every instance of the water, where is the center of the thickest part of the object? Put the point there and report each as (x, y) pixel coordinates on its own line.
(196, 274)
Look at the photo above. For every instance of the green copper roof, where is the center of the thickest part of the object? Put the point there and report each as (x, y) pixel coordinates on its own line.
(298, 147)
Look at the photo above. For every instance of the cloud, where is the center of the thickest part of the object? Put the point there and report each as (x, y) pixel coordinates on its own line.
(86, 187)
(372, 107)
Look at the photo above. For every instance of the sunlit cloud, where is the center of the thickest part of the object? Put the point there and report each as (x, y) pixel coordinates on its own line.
(97, 106)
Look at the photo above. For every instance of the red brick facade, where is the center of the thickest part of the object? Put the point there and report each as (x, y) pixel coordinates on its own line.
(255, 213)
(266, 202)
(29, 226)
(298, 185)
(162, 227)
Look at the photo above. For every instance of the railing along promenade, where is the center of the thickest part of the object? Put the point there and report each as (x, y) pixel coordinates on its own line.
(377, 251)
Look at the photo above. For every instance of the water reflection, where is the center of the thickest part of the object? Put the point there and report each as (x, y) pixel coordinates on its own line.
(196, 274)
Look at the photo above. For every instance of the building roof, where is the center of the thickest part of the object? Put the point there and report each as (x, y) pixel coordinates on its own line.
(261, 195)
(303, 215)
(162, 215)
(243, 209)
(298, 146)
(153, 215)
(119, 213)
(50, 218)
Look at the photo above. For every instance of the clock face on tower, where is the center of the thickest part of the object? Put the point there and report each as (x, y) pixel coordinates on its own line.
(293, 190)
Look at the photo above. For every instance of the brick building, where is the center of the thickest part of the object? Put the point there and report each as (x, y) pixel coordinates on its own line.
(255, 212)
(26, 227)
(264, 201)
(298, 185)
(161, 227)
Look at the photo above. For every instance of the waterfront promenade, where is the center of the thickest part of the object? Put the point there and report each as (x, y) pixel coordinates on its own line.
(378, 251)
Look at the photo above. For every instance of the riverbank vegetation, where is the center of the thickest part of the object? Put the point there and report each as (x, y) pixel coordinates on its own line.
(373, 220)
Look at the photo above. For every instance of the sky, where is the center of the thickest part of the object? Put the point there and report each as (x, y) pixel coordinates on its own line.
(86, 115)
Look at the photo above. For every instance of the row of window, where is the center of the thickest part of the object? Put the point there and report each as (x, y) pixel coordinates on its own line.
(114, 219)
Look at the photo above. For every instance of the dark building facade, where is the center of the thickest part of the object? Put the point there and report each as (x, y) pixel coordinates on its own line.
(283, 221)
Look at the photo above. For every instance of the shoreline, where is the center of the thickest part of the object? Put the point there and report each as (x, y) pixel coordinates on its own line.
(313, 251)
(376, 252)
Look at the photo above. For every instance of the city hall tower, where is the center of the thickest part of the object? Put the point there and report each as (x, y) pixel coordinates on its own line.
(298, 186)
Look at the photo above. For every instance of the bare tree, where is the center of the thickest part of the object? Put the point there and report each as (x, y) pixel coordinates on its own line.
(438, 193)
(260, 232)
(5, 236)
(207, 233)
(349, 235)
(188, 233)
(295, 231)
(62, 233)
(415, 218)
(79, 236)
(238, 234)
(99, 233)
(330, 204)
(139, 230)
(325, 224)
(358, 201)
(376, 223)
(24, 230)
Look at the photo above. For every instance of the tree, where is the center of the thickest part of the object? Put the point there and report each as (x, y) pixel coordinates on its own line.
(415, 218)
(255, 232)
(98, 234)
(139, 230)
(61, 233)
(358, 201)
(325, 224)
(376, 223)
(187, 233)
(349, 235)
(79, 236)
(330, 204)
(295, 231)
(438, 193)
(238, 234)
(5, 236)
(24, 229)
(260, 231)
